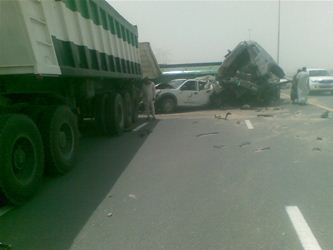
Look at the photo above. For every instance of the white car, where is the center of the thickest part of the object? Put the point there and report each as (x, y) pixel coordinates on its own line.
(184, 93)
(320, 80)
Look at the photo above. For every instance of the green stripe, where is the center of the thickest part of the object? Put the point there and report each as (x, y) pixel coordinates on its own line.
(89, 9)
(76, 60)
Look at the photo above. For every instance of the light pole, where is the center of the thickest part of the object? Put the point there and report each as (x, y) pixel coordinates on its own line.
(278, 36)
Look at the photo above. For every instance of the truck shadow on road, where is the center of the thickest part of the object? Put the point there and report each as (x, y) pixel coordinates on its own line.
(57, 214)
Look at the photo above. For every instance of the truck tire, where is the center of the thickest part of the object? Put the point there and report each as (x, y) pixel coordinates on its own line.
(61, 138)
(117, 114)
(128, 105)
(135, 105)
(168, 105)
(101, 113)
(22, 158)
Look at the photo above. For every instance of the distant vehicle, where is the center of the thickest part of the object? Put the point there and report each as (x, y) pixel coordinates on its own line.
(320, 80)
(184, 93)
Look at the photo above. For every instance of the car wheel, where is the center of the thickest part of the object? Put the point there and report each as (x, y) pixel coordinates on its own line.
(168, 105)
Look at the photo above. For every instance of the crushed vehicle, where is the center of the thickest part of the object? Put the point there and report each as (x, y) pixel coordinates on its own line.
(195, 92)
(249, 75)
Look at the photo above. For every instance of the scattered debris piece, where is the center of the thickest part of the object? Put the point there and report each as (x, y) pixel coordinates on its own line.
(133, 196)
(316, 149)
(109, 214)
(265, 115)
(110, 196)
(325, 114)
(219, 146)
(277, 108)
(238, 122)
(244, 144)
(319, 138)
(220, 116)
(246, 106)
(195, 122)
(5, 246)
(262, 149)
(206, 134)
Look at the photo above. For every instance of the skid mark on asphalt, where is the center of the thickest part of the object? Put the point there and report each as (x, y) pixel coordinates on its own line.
(304, 233)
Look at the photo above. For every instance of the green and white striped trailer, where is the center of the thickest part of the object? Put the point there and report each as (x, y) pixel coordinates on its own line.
(61, 62)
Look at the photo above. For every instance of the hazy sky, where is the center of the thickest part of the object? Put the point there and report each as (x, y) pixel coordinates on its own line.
(202, 31)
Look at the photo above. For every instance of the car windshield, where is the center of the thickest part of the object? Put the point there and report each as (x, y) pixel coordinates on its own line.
(176, 83)
(319, 72)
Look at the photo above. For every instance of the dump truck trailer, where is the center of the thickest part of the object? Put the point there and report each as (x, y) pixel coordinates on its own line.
(61, 62)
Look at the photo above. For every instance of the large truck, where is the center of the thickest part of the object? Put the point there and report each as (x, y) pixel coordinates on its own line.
(61, 62)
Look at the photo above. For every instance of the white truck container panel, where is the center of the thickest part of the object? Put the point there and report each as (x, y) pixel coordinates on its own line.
(67, 37)
(149, 65)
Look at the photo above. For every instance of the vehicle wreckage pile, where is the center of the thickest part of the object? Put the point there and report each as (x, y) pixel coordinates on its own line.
(249, 75)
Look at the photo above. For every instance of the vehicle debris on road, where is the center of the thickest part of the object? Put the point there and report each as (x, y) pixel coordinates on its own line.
(250, 74)
(223, 118)
(265, 115)
(262, 149)
(219, 146)
(319, 138)
(316, 149)
(207, 134)
(133, 196)
(244, 144)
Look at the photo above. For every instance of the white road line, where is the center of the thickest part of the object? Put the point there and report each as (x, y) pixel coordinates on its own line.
(248, 124)
(314, 103)
(304, 233)
(5, 209)
(140, 126)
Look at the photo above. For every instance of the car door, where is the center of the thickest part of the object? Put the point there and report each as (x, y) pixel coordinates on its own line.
(186, 93)
(201, 98)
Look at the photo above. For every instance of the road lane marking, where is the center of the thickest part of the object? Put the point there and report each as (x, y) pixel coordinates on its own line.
(319, 105)
(304, 233)
(313, 103)
(249, 124)
(5, 210)
(140, 126)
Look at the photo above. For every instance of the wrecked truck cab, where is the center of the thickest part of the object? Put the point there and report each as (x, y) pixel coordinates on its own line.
(250, 74)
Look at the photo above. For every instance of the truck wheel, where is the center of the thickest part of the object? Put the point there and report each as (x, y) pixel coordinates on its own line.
(101, 113)
(168, 105)
(60, 136)
(135, 105)
(128, 104)
(117, 114)
(22, 158)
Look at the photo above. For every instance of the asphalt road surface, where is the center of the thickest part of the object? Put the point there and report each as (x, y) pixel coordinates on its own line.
(263, 179)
